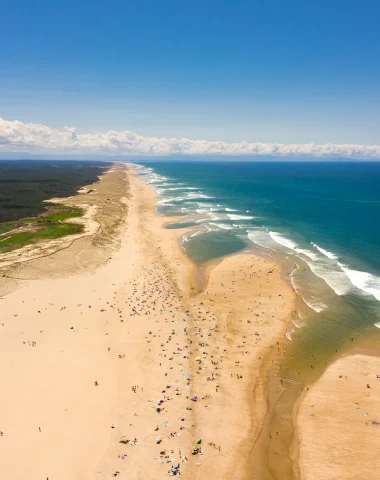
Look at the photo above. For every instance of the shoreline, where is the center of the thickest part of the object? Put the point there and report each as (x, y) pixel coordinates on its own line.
(295, 458)
(105, 311)
(208, 268)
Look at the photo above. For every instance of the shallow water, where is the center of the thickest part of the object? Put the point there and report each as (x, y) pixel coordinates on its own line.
(325, 216)
(321, 222)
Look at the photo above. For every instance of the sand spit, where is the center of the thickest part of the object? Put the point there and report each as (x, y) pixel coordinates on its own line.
(110, 368)
(338, 422)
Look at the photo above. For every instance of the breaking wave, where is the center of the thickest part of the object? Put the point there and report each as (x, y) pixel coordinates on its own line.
(326, 253)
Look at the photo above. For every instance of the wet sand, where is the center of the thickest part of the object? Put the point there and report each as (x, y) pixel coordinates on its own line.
(112, 368)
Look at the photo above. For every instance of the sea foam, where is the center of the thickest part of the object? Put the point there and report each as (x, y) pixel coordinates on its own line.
(260, 237)
(222, 225)
(176, 188)
(364, 281)
(286, 242)
(239, 217)
(165, 201)
(326, 253)
(312, 302)
(337, 280)
(197, 195)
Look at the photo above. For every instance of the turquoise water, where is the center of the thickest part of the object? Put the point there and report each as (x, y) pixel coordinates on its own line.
(321, 221)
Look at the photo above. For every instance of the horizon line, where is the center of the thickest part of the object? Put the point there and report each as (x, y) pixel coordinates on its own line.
(17, 138)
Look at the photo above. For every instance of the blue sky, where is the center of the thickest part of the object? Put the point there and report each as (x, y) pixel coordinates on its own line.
(255, 71)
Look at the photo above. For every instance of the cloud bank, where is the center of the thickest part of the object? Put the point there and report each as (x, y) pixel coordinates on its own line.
(16, 136)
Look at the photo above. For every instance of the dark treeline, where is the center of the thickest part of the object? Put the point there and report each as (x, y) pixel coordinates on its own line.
(24, 184)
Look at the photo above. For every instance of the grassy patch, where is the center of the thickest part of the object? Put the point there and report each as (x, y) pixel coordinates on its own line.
(7, 227)
(64, 214)
(47, 232)
(45, 227)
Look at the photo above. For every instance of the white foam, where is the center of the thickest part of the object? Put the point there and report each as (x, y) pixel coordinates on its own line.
(170, 184)
(216, 217)
(326, 253)
(337, 280)
(315, 305)
(178, 188)
(230, 210)
(188, 236)
(299, 324)
(364, 281)
(176, 199)
(196, 233)
(156, 179)
(222, 225)
(239, 217)
(342, 280)
(210, 226)
(260, 237)
(308, 253)
(285, 242)
(377, 324)
(197, 195)
(165, 201)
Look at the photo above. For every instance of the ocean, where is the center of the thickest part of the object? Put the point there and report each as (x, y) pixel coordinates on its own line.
(319, 220)
(325, 214)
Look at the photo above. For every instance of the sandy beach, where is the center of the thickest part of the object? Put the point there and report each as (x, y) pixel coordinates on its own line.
(112, 368)
(338, 422)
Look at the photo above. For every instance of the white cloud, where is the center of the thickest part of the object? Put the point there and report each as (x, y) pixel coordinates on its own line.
(16, 136)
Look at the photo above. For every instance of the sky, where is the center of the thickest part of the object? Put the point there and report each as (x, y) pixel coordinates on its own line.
(274, 72)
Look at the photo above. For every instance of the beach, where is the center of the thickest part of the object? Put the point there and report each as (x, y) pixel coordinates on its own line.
(189, 241)
(113, 367)
(338, 422)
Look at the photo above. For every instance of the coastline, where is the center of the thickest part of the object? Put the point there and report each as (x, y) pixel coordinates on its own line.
(254, 393)
(111, 321)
